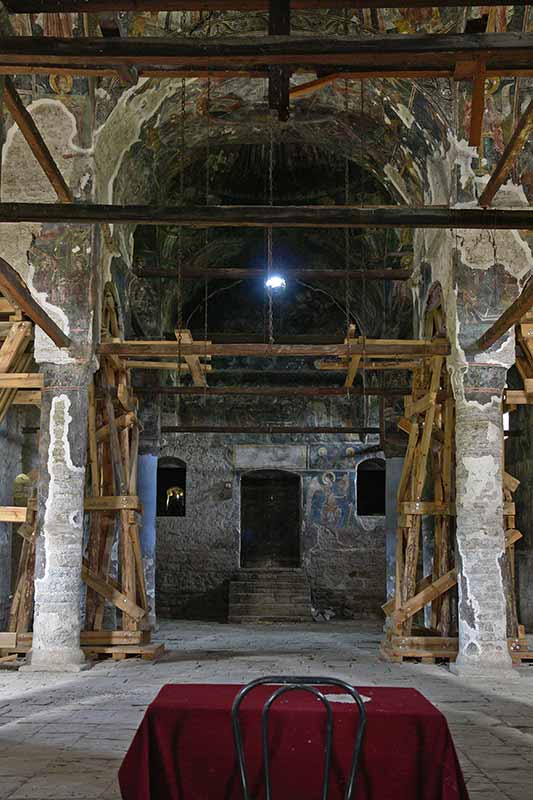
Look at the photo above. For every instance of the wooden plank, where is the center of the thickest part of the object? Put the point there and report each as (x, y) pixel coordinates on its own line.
(273, 391)
(478, 106)
(21, 380)
(340, 216)
(14, 344)
(430, 53)
(238, 273)
(12, 284)
(113, 595)
(123, 421)
(112, 503)
(27, 398)
(424, 507)
(388, 607)
(98, 6)
(513, 148)
(171, 366)
(13, 514)
(193, 362)
(510, 317)
(416, 603)
(422, 405)
(8, 640)
(370, 348)
(37, 145)
(259, 428)
(352, 370)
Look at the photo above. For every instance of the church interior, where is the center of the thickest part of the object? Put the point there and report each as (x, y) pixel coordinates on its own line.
(266, 364)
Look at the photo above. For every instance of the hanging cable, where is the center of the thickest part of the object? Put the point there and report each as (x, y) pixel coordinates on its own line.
(207, 190)
(180, 229)
(363, 264)
(347, 231)
(269, 230)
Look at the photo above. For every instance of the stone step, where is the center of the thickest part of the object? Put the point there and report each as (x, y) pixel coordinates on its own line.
(270, 595)
(267, 620)
(241, 609)
(252, 585)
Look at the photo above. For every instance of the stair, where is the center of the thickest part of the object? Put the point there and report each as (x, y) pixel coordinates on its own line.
(269, 595)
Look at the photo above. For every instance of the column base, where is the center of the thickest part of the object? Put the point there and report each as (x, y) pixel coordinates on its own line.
(489, 667)
(56, 661)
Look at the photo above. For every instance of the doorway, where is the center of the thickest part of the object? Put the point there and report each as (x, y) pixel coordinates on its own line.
(270, 520)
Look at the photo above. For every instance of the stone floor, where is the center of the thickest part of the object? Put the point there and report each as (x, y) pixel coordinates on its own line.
(63, 736)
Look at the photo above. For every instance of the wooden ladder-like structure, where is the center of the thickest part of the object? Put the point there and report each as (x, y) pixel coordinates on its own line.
(113, 506)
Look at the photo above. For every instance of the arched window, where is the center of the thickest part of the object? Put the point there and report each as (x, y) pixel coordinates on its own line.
(371, 488)
(171, 487)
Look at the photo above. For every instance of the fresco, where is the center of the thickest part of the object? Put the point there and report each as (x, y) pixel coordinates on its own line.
(330, 499)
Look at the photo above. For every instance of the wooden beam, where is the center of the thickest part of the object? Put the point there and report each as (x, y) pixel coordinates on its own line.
(193, 362)
(510, 317)
(27, 398)
(392, 54)
(98, 6)
(514, 146)
(273, 391)
(266, 429)
(477, 107)
(37, 145)
(13, 513)
(114, 596)
(12, 284)
(238, 273)
(368, 348)
(14, 345)
(21, 380)
(427, 595)
(272, 216)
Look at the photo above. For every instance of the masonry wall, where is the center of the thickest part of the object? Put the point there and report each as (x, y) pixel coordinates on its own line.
(342, 553)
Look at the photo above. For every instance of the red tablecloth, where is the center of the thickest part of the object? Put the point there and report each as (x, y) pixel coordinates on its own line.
(184, 747)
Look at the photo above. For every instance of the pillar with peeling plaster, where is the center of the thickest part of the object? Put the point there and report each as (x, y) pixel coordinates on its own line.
(483, 646)
(63, 448)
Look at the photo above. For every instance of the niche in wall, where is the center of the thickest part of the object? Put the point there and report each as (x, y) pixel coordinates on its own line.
(371, 488)
(171, 487)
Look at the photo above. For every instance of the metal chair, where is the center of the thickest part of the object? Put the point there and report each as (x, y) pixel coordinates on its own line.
(289, 684)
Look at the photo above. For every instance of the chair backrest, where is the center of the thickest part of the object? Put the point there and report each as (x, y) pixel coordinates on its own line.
(287, 684)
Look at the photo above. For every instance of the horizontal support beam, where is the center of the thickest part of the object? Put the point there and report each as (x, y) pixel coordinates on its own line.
(21, 380)
(262, 429)
(272, 216)
(14, 287)
(433, 54)
(236, 273)
(510, 317)
(366, 347)
(274, 391)
(98, 6)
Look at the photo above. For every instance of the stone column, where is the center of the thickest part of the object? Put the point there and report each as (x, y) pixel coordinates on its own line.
(483, 647)
(63, 446)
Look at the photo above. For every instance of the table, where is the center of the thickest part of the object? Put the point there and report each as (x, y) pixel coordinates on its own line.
(183, 749)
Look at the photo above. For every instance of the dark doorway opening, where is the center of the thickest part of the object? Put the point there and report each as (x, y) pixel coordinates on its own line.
(371, 488)
(270, 519)
(171, 487)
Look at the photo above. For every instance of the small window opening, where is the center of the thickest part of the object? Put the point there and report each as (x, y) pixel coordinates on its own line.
(371, 488)
(171, 488)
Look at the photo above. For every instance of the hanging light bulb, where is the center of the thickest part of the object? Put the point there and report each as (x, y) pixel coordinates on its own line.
(275, 282)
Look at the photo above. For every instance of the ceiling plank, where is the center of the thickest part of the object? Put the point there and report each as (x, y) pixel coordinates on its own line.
(273, 216)
(516, 143)
(95, 6)
(237, 273)
(390, 54)
(368, 348)
(33, 137)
